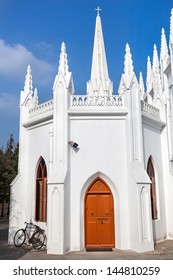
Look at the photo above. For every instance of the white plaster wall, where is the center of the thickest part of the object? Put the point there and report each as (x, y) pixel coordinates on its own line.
(168, 183)
(135, 229)
(18, 188)
(137, 219)
(152, 147)
(67, 209)
(23, 189)
(39, 145)
(102, 152)
(17, 207)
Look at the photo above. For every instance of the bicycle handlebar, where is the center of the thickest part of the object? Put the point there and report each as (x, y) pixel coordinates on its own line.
(33, 225)
(29, 223)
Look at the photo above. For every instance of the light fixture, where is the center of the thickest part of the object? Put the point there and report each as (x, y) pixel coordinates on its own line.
(73, 144)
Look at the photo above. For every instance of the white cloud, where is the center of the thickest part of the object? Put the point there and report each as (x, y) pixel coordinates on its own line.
(15, 58)
(9, 104)
(46, 49)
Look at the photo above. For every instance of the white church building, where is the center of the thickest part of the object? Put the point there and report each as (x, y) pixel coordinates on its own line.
(96, 170)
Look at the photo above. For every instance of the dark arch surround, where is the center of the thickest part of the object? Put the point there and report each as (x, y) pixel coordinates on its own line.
(41, 192)
(151, 174)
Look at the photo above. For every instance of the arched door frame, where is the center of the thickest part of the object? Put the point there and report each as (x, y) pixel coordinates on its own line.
(106, 191)
(150, 165)
(115, 194)
(43, 180)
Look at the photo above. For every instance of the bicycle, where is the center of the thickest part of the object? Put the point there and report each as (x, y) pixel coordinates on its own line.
(33, 233)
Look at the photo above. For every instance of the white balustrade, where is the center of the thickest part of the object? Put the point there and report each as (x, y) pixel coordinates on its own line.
(96, 101)
(41, 109)
(92, 101)
(79, 101)
(147, 108)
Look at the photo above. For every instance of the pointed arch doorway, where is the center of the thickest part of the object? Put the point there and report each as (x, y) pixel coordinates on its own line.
(99, 216)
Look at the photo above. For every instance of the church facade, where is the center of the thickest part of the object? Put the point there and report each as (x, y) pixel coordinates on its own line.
(96, 170)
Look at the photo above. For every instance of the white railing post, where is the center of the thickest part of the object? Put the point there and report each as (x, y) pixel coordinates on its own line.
(96, 101)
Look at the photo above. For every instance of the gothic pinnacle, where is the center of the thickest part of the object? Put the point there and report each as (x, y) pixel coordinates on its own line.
(63, 61)
(141, 84)
(155, 59)
(128, 63)
(149, 70)
(63, 47)
(28, 80)
(156, 72)
(171, 27)
(35, 97)
(164, 47)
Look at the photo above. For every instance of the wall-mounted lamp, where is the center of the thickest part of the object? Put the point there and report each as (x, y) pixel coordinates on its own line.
(73, 144)
(171, 160)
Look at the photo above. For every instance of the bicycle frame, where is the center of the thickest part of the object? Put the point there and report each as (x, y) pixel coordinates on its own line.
(30, 227)
(31, 234)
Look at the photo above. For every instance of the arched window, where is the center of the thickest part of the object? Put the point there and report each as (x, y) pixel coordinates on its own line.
(151, 173)
(41, 192)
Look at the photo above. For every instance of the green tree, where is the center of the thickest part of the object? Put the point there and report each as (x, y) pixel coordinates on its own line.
(8, 170)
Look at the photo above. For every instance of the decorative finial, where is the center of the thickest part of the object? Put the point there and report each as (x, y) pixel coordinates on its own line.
(156, 73)
(63, 61)
(128, 63)
(35, 98)
(98, 10)
(164, 48)
(28, 69)
(28, 80)
(141, 84)
(63, 47)
(171, 26)
(155, 58)
(149, 71)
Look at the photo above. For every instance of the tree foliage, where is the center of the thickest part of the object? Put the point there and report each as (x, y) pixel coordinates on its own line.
(8, 169)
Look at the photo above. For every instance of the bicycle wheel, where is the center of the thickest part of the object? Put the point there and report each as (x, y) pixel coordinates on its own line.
(38, 239)
(19, 237)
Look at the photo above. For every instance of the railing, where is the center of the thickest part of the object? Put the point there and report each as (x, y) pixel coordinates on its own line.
(147, 108)
(41, 109)
(92, 101)
(96, 101)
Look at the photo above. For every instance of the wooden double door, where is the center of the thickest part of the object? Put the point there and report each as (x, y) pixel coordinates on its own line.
(99, 216)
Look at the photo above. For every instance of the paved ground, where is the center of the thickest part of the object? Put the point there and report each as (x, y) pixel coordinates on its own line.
(9, 252)
(163, 251)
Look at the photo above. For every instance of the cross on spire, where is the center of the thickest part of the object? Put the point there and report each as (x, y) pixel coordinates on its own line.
(98, 10)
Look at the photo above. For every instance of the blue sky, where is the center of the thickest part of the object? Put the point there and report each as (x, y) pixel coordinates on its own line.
(31, 32)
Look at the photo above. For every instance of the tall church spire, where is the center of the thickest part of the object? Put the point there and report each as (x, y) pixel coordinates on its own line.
(99, 83)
